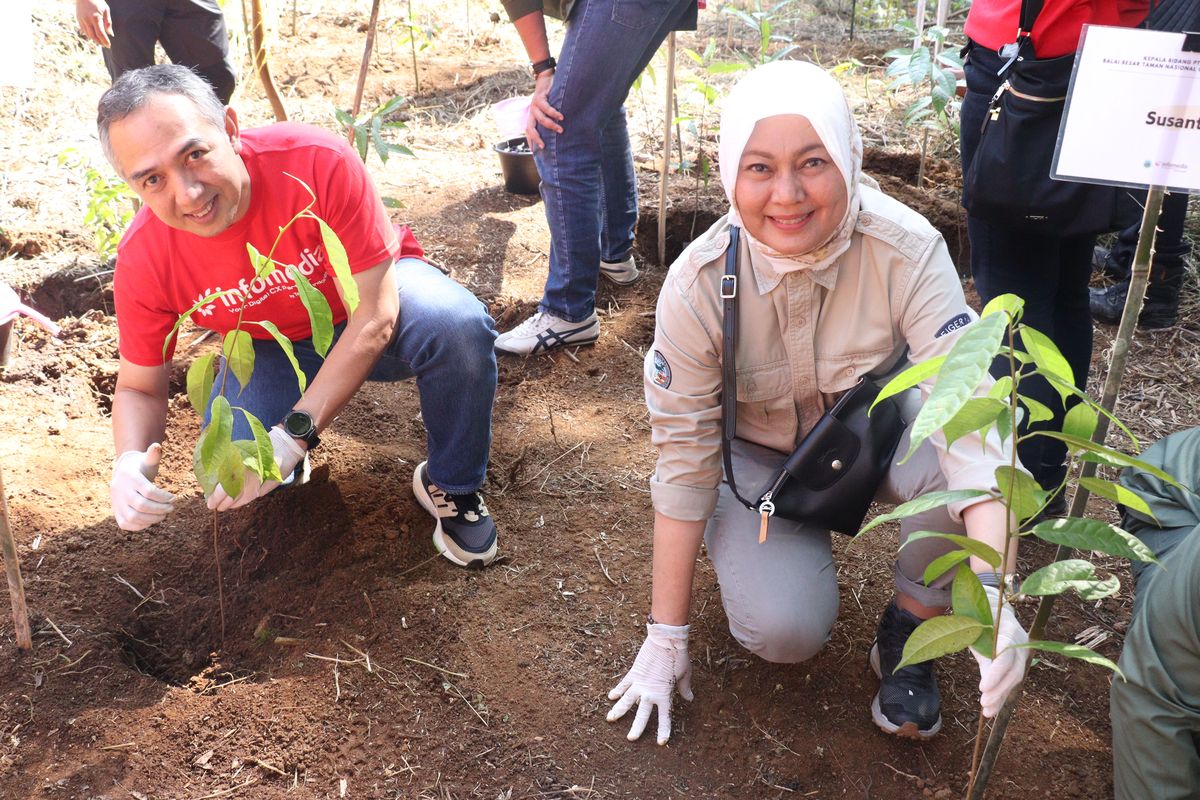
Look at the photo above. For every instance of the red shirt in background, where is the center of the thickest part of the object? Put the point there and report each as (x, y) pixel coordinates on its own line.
(994, 23)
(162, 272)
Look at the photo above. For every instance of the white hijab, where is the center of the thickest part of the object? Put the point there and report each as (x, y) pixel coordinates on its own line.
(793, 87)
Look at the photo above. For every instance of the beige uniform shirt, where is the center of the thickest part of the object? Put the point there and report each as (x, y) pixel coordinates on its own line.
(803, 338)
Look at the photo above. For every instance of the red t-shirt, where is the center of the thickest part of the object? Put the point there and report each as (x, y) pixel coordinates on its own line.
(993, 23)
(162, 272)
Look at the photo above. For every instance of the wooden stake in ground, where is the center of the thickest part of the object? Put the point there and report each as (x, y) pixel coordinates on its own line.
(668, 105)
(1138, 280)
(16, 589)
(366, 61)
(258, 54)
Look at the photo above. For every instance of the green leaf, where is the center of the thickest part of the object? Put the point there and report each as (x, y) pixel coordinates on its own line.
(1025, 498)
(1080, 421)
(943, 564)
(1090, 534)
(285, 344)
(207, 480)
(1010, 304)
(238, 349)
(360, 142)
(391, 202)
(203, 301)
(976, 413)
(231, 472)
(1074, 573)
(1002, 388)
(1106, 455)
(1047, 357)
(1073, 651)
(923, 503)
(261, 264)
(263, 462)
(1038, 412)
(909, 378)
(341, 266)
(968, 598)
(320, 316)
(975, 547)
(919, 66)
(937, 637)
(965, 367)
(219, 430)
(1118, 494)
(199, 381)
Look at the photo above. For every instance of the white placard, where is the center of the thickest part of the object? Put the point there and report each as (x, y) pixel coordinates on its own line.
(16, 55)
(1133, 112)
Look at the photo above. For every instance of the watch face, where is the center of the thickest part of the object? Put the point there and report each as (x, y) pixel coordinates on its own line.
(298, 424)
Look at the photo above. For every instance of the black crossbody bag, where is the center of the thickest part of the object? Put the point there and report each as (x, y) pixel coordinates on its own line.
(833, 474)
(1008, 181)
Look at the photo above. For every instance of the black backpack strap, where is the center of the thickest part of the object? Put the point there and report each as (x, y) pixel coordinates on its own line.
(729, 290)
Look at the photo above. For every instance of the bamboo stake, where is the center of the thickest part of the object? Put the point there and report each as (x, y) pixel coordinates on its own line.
(412, 45)
(1139, 278)
(12, 566)
(366, 62)
(668, 105)
(258, 52)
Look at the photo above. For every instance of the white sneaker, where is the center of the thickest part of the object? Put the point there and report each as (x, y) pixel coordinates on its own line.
(622, 273)
(544, 331)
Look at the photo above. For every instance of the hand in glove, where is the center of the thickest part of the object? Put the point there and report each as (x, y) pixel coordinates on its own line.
(136, 502)
(999, 676)
(288, 453)
(661, 665)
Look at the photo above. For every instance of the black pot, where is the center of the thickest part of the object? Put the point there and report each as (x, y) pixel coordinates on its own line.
(517, 164)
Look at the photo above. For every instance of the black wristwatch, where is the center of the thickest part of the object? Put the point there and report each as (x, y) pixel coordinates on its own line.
(545, 65)
(300, 425)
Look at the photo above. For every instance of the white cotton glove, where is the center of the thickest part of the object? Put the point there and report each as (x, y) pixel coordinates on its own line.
(999, 676)
(288, 453)
(136, 502)
(661, 665)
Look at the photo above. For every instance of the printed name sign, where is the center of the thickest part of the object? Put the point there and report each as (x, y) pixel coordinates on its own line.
(1133, 111)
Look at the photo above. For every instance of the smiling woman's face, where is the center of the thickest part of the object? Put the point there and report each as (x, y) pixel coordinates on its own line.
(789, 193)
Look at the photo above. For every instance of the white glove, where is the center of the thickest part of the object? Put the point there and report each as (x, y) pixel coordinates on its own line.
(136, 502)
(661, 665)
(288, 453)
(999, 676)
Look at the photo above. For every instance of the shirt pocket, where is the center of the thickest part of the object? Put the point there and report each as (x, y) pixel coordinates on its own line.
(766, 410)
(836, 374)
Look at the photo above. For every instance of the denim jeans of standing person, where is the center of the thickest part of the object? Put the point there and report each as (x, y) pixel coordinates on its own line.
(588, 184)
(443, 337)
(1050, 273)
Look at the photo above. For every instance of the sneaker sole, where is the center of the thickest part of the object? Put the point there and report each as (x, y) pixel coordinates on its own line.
(540, 349)
(443, 543)
(908, 730)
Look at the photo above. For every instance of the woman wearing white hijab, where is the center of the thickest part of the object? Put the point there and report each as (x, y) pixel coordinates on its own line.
(837, 280)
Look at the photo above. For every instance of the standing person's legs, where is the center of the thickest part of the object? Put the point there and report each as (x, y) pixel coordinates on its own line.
(136, 25)
(781, 596)
(193, 35)
(1156, 709)
(619, 204)
(608, 44)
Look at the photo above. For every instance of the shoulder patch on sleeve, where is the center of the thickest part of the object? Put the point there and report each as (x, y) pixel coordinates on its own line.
(953, 324)
(660, 370)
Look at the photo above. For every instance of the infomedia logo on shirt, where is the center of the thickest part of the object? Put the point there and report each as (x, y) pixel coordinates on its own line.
(251, 292)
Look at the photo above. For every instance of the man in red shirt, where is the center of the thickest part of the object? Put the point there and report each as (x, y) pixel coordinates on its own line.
(210, 190)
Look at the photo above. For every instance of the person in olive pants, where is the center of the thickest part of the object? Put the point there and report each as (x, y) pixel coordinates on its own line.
(1156, 709)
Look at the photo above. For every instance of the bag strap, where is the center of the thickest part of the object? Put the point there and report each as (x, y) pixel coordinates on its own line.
(1030, 9)
(729, 290)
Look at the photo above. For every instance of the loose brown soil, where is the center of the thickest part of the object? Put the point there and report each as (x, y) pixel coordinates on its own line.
(355, 662)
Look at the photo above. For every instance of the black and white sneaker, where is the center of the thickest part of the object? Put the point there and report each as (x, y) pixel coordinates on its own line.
(465, 532)
(544, 331)
(908, 702)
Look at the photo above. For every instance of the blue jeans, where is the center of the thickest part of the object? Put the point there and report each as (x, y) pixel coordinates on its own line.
(443, 337)
(588, 183)
(1049, 272)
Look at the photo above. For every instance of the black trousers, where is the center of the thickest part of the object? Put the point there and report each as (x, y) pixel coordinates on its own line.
(192, 33)
(1050, 273)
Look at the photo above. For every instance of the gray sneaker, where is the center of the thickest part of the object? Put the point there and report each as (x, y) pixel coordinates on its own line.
(622, 273)
(465, 532)
(544, 331)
